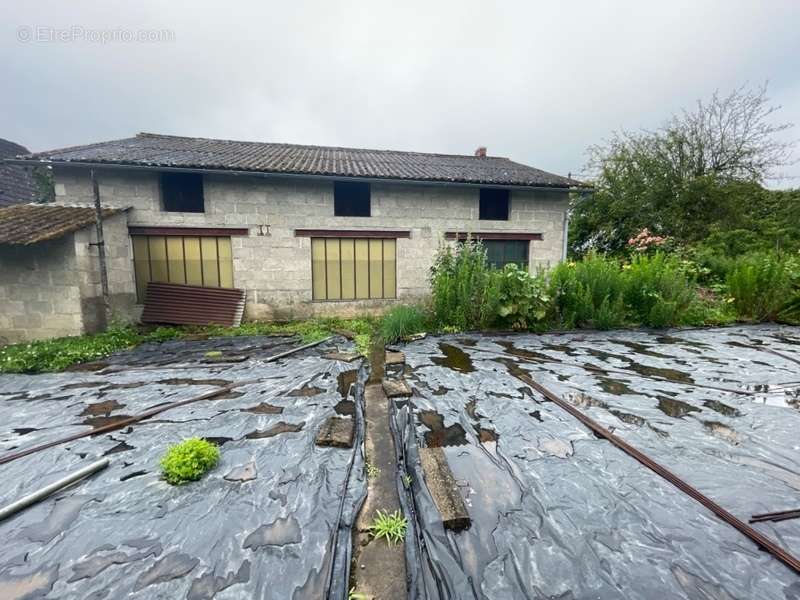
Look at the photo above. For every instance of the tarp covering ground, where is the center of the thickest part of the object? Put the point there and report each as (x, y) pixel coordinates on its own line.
(270, 521)
(559, 513)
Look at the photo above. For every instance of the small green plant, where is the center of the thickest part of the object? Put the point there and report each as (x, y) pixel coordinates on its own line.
(213, 354)
(354, 595)
(407, 481)
(189, 460)
(372, 470)
(402, 321)
(391, 526)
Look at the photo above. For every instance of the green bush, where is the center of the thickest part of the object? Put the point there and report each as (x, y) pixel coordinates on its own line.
(402, 321)
(515, 299)
(761, 283)
(189, 460)
(587, 293)
(658, 292)
(459, 283)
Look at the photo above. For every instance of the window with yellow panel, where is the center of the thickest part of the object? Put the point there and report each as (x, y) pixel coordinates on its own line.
(353, 269)
(192, 260)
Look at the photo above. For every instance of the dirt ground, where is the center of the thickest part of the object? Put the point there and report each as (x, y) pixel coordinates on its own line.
(559, 513)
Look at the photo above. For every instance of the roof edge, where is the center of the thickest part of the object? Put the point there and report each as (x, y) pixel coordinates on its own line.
(283, 175)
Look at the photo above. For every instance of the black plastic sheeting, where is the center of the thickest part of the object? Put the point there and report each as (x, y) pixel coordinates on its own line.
(559, 513)
(272, 520)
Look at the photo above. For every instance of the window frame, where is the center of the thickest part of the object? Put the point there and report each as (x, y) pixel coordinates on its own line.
(386, 274)
(164, 187)
(361, 190)
(487, 204)
(505, 243)
(217, 269)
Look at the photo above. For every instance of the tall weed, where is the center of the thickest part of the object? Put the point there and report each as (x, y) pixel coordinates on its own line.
(460, 278)
(658, 292)
(587, 293)
(761, 283)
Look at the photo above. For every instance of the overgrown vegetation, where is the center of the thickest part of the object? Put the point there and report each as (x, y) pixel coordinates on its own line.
(189, 460)
(402, 321)
(760, 285)
(60, 353)
(391, 526)
(652, 285)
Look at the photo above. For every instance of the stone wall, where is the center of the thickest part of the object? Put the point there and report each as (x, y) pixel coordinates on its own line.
(119, 266)
(39, 291)
(52, 289)
(274, 266)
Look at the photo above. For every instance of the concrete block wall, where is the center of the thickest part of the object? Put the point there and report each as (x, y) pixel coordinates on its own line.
(119, 266)
(274, 266)
(52, 289)
(39, 291)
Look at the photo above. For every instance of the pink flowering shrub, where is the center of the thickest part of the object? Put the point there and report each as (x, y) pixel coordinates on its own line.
(644, 240)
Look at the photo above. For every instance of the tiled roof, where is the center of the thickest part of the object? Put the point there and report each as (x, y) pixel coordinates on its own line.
(24, 224)
(16, 182)
(152, 150)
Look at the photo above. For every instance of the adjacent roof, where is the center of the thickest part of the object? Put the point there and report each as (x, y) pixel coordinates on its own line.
(16, 183)
(152, 150)
(24, 224)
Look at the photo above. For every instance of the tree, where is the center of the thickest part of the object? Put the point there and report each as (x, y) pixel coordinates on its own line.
(698, 173)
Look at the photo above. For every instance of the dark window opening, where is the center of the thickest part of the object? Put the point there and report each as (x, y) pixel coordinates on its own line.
(351, 199)
(182, 192)
(500, 253)
(494, 205)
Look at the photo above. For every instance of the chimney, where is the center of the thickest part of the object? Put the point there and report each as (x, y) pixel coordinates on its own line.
(481, 152)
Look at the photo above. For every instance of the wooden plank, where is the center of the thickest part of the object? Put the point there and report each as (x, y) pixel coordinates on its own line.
(443, 489)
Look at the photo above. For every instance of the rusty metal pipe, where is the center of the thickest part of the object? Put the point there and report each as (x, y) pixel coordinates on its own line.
(761, 540)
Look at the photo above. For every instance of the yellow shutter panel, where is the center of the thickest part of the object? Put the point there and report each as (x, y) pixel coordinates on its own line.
(362, 268)
(318, 279)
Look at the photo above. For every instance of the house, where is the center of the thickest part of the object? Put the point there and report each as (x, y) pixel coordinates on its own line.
(16, 182)
(304, 230)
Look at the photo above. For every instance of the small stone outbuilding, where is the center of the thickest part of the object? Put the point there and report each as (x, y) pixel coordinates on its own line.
(49, 270)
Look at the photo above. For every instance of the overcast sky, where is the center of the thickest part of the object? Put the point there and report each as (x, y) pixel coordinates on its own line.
(535, 81)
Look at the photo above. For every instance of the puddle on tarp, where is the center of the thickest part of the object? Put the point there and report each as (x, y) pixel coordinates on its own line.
(438, 435)
(344, 380)
(675, 408)
(454, 358)
(586, 502)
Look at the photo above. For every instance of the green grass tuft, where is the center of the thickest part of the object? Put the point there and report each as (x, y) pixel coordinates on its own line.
(189, 460)
(391, 526)
(402, 321)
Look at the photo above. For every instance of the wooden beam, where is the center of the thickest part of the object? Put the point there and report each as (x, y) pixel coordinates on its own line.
(353, 233)
(193, 231)
(493, 235)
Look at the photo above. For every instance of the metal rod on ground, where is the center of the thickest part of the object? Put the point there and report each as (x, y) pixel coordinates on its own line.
(101, 249)
(293, 350)
(761, 540)
(783, 515)
(43, 493)
(124, 422)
